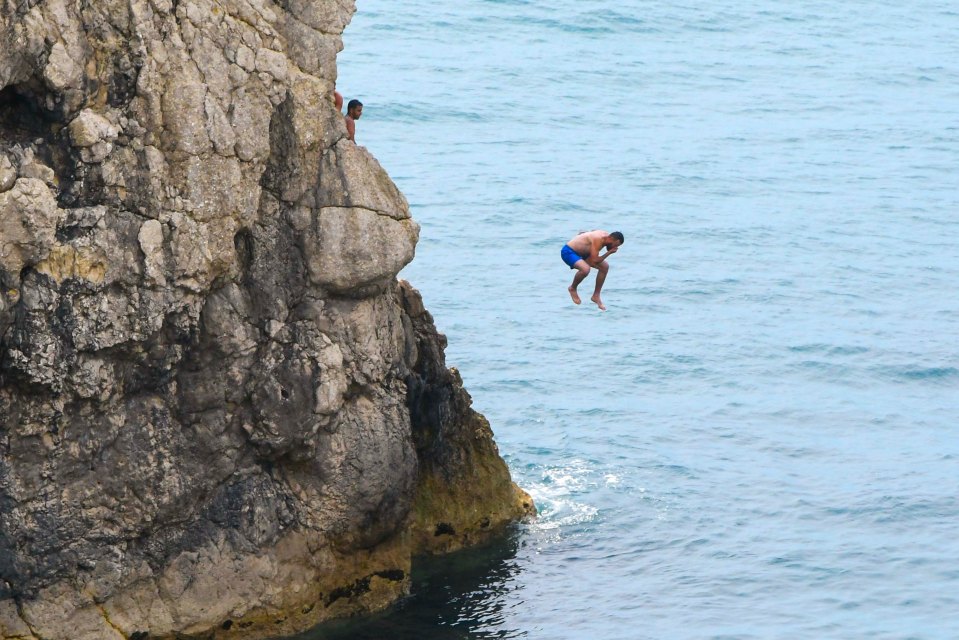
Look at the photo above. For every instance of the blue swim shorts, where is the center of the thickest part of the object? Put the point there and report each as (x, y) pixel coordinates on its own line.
(569, 256)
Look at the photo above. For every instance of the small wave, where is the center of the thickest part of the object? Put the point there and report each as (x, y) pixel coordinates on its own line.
(823, 367)
(813, 347)
(558, 25)
(912, 373)
(677, 469)
(847, 351)
(833, 350)
(421, 112)
(899, 509)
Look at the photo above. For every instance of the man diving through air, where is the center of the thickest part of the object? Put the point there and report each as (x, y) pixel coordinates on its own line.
(582, 252)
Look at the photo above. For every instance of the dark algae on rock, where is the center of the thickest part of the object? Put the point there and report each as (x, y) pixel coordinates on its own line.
(220, 413)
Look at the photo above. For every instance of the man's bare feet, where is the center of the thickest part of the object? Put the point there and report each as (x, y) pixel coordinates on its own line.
(598, 301)
(573, 295)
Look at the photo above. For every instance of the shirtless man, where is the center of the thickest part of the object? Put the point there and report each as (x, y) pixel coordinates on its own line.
(582, 252)
(354, 109)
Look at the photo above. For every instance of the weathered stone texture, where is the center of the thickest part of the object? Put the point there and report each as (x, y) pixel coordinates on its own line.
(218, 408)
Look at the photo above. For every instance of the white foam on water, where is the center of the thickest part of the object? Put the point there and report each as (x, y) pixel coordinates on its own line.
(557, 493)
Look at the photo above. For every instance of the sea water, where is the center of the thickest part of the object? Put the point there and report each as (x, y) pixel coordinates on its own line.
(760, 438)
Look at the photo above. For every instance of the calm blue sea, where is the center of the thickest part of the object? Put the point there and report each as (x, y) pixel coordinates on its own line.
(760, 438)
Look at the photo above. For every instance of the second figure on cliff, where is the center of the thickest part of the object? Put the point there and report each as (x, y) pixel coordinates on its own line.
(353, 112)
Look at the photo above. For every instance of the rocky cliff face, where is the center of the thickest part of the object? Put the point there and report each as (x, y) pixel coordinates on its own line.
(220, 413)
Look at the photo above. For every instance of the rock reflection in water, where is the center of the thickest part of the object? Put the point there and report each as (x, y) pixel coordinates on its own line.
(459, 596)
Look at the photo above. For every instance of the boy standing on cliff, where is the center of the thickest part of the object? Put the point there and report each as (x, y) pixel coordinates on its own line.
(582, 252)
(354, 109)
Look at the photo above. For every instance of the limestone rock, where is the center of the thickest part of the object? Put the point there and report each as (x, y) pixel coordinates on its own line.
(8, 174)
(93, 135)
(89, 128)
(219, 410)
(351, 177)
(28, 224)
(352, 249)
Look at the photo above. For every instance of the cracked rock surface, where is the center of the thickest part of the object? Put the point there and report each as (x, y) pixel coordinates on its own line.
(220, 413)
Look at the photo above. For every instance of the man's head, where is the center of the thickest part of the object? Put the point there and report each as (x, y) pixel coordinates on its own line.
(354, 109)
(615, 239)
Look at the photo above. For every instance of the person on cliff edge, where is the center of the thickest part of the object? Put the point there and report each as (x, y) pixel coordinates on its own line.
(582, 253)
(354, 109)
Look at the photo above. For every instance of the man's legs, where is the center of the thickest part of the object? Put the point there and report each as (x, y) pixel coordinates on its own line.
(600, 279)
(582, 270)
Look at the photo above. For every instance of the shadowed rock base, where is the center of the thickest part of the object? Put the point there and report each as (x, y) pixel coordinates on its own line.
(464, 493)
(218, 593)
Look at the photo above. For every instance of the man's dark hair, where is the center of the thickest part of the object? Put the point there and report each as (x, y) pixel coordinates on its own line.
(616, 235)
(353, 103)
